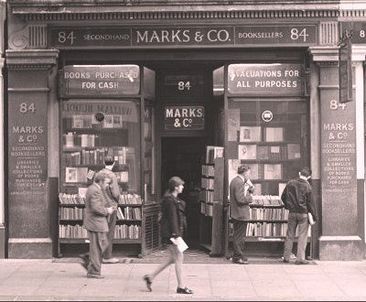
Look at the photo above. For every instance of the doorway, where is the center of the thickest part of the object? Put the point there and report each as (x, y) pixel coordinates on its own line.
(183, 157)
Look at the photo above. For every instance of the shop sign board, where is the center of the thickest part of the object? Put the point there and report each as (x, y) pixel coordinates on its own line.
(345, 68)
(266, 79)
(27, 147)
(338, 164)
(358, 30)
(184, 118)
(99, 81)
(183, 36)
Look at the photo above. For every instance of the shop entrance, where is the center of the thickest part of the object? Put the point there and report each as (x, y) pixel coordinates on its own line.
(183, 157)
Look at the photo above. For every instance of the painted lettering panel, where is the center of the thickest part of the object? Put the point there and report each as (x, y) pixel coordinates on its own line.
(182, 36)
(99, 80)
(338, 159)
(266, 79)
(274, 34)
(184, 118)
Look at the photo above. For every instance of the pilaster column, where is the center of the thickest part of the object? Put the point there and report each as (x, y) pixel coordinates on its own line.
(31, 96)
(2, 127)
(340, 156)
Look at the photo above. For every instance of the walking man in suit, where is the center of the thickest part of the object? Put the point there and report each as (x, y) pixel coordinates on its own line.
(95, 221)
(112, 195)
(241, 190)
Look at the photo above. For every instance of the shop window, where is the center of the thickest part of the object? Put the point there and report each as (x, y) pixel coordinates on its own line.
(93, 130)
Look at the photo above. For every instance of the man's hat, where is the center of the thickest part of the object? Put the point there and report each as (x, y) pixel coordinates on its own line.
(175, 181)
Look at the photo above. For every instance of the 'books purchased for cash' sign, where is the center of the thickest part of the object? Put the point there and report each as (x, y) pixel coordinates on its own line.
(99, 81)
(266, 79)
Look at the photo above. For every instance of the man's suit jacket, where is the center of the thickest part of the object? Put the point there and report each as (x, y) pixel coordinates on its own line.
(112, 192)
(95, 217)
(239, 203)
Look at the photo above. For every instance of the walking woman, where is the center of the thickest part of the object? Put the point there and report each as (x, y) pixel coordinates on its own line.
(172, 226)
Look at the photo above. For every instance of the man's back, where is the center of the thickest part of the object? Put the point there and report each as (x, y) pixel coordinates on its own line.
(95, 210)
(297, 196)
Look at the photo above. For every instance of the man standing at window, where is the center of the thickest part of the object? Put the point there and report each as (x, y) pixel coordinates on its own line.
(241, 190)
(112, 195)
(95, 221)
(297, 198)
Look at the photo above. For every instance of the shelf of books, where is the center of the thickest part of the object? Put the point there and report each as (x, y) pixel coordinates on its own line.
(211, 200)
(271, 138)
(92, 130)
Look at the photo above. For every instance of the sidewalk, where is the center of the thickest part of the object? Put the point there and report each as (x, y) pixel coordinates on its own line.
(52, 280)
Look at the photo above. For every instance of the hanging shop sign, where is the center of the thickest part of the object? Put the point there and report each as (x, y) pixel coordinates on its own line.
(266, 79)
(184, 118)
(183, 36)
(345, 67)
(99, 81)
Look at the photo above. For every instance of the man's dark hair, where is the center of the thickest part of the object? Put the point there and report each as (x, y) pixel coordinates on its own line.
(243, 168)
(305, 172)
(108, 160)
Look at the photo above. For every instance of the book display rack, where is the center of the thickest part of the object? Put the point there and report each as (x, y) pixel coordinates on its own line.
(271, 138)
(211, 200)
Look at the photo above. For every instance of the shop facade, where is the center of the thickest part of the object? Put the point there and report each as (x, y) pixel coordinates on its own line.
(193, 91)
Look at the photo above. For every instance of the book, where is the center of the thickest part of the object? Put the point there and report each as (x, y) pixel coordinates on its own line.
(250, 134)
(71, 174)
(311, 219)
(247, 151)
(253, 171)
(180, 243)
(263, 152)
(108, 121)
(274, 134)
(69, 140)
(293, 151)
(77, 121)
(120, 215)
(272, 171)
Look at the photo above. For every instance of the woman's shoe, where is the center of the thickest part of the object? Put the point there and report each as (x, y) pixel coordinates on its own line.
(148, 282)
(185, 290)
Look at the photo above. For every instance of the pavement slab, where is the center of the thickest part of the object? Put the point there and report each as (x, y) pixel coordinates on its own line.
(49, 280)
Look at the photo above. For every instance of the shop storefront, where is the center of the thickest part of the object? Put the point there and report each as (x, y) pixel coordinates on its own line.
(165, 94)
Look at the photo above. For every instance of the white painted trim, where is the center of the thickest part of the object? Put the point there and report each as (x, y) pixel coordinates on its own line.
(30, 240)
(360, 133)
(340, 238)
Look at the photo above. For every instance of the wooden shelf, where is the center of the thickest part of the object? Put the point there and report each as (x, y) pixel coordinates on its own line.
(266, 220)
(93, 130)
(129, 220)
(85, 240)
(266, 239)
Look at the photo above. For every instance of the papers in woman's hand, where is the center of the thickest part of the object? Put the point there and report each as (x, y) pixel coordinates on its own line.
(180, 243)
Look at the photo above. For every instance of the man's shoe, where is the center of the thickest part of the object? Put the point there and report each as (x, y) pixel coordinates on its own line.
(148, 282)
(299, 262)
(285, 260)
(84, 261)
(110, 260)
(185, 290)
(94, 276)
(241, 261)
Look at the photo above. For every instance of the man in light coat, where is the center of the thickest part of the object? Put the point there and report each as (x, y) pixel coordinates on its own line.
(95, 221)
(241, 190)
